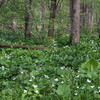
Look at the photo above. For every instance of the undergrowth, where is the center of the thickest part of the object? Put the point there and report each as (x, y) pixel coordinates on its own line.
(63, 73)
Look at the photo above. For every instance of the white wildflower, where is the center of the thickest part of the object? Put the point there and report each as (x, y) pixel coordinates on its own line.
(92, 86)
(78, 71)
(25, 91)
(22, 72)
(62, 82)
(2, 67)
(56, 79)
(98, 87)
(36, 91)
(62, 75)
(89, 81)
(35, 86)
(95, 92)
(77, 76)
(46, 76)
(8, 57)
(77, 87)
(30, 80)
(75, 93)
(33, 77)
(62, 68)
(14, 78)
(52, 85)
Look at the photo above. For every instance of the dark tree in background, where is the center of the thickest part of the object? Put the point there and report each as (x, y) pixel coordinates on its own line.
(87, 15)
(52, 18)
(2, 2)
(28, 7)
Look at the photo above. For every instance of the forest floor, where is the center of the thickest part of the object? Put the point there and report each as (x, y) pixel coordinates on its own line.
(68, 73)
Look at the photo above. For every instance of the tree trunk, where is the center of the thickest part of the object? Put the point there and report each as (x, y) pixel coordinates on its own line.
(97, 19)
(98, 26)
(52, 18)
(90, 17)
(28, 4)
(83, 15)
(75, 21)
(87, 16)
(42, 17)
(14, 25)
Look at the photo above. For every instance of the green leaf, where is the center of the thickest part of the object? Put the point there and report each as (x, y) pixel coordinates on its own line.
(59, 71)
(34, 73)
(5, 83)
(91, 64)
(23, 96)
(63, 90)
(92, 74)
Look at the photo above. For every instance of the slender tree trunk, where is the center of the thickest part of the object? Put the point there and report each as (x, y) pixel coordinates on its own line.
(90, 17)
(28, 4)
(42, 17)
(87, 16)
(75, 21)
(83, 15)
(98, 26)
(97, 19)
(14, 25)
(52, 18)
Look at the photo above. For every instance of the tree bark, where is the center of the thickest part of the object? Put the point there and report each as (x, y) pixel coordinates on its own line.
(28, 4)
(75, 21)
(52, 18)
(87, 16)
(42, 17)
(98, 26)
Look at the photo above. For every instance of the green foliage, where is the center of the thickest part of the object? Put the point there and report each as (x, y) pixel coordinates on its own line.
(50, 74)
(91, 64)
(63, 90)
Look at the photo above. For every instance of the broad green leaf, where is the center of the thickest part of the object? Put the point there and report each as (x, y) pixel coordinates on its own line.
(63, 90)
(91, 64)
(92, 74)
(34, 73)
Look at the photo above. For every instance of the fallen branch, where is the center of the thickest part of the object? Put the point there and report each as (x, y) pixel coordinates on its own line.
(23, 47)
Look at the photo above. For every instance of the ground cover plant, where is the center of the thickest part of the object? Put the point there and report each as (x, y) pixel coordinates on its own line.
(67, 73)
